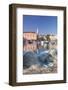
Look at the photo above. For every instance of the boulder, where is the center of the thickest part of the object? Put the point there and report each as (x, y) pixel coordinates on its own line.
(53, 52)
(29, 59)
(45, 58)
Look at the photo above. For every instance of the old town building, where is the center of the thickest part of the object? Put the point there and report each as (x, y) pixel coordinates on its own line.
(30, 35)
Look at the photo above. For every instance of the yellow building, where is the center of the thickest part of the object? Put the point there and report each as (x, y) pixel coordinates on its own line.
(30, 35)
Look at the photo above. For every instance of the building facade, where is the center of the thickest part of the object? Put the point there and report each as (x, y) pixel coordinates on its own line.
(53, 37)
(30, 38)
(30, 35)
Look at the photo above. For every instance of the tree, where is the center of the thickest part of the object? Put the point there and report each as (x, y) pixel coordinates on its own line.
(48, 37)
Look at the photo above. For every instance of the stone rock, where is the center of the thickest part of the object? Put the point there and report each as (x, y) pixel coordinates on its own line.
(29, 59)
(45, 58)
(53, 52)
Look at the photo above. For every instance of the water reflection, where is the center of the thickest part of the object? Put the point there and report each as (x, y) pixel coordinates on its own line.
(30, 47)
(38, 45)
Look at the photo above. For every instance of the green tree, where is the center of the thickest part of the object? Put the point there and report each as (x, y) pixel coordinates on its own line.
(48, 37)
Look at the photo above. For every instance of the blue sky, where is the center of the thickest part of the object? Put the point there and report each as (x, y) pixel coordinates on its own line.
(45, 24)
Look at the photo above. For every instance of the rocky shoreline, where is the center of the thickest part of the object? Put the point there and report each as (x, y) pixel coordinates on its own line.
(45, 63)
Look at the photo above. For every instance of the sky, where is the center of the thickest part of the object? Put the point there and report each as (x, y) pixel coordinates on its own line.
(44, 24)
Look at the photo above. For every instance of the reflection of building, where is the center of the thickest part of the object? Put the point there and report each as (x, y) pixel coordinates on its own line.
(30, 35)
(30, 47)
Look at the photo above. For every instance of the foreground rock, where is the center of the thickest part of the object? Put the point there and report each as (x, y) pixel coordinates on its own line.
(29, 58)
(34, 63)
(45, 58)
(34, 69)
